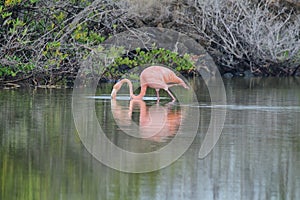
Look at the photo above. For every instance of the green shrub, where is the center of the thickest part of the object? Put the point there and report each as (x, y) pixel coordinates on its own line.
(156, 56)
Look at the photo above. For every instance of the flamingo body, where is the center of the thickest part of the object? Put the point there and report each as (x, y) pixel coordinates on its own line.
(156, 77)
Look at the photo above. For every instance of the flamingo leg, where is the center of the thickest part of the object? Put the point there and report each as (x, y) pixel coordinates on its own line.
(174, 99)
(157, 94)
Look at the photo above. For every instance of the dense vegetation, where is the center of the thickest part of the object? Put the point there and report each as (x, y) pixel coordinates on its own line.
(43, 41)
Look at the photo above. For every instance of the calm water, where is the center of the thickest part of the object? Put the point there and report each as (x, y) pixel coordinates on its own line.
(256, 157)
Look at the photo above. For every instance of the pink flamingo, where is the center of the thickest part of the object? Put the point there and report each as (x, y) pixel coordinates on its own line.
(156, 77)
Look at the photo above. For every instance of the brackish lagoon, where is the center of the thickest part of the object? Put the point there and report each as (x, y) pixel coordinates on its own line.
(256, 157)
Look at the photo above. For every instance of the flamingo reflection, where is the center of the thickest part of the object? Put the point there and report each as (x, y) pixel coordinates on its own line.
(155, 123)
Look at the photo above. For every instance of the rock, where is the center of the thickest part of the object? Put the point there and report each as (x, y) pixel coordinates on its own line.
(239, 74)
(248, 74)
(228, 75)
(146, 37)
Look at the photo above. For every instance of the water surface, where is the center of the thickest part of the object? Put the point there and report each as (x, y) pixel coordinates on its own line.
(256, 157)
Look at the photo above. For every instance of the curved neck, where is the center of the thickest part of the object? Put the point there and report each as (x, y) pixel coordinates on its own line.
(139, 96)
(129, 85)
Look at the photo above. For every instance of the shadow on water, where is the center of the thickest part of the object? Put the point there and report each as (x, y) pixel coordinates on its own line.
(257, 156)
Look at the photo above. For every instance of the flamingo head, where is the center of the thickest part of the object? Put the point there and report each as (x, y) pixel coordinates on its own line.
(115, 89)
(184, 85)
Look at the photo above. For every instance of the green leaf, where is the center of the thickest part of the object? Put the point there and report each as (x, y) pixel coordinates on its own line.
(33, 1)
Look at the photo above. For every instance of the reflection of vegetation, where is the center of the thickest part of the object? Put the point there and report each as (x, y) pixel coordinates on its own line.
(42, 157)
(34, 132)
